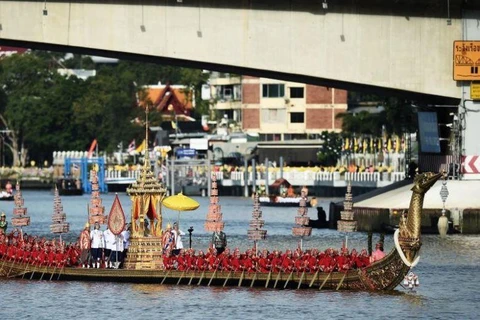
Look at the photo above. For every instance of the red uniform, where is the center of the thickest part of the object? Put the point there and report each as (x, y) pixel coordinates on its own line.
(287, 264)
(263, 265)
(181, 263)
(60, 259)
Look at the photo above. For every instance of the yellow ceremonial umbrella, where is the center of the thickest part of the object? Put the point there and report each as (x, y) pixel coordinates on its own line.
(180, 202)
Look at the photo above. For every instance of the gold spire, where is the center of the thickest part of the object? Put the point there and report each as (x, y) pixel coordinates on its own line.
(147, 157)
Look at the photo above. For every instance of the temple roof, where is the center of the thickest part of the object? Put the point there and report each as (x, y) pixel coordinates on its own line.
(146, 183)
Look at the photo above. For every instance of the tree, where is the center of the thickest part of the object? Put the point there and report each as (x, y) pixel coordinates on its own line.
(25, 81)
(397, 118)
(330, 149)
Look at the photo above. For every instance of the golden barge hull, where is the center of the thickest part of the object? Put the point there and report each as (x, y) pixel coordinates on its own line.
(382, 275)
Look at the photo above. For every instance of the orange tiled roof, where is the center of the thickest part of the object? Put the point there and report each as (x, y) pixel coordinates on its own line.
(163, 96)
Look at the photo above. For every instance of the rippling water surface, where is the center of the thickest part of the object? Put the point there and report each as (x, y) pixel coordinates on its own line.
(448, 271)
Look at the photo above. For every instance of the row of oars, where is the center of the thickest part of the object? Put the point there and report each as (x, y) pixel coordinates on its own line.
(33, 271)
(254, 278)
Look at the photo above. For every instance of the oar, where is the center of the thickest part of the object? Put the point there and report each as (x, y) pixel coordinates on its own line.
(25, 271)
(268, 278)
(325, 281)
(341, 281)
(181, 277)
(313, 279)
(241, 278)
(54, 268)
(166, 275)
(14, 261)
(191, 278)
(276, 280)
(33, 272)
(301, 279)
(201, 278)
(228, 277)
(253, 280)
(43, 273)
(288, 279)
(213, 276)
(61, 271)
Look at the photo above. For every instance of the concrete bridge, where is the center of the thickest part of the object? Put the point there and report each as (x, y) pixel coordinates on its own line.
(402, 46)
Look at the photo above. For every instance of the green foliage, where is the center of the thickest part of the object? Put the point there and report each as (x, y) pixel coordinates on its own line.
(397, 118)
(331, 148)
(46, 112)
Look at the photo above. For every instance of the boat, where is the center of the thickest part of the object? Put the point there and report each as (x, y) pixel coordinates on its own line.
(6, 196)
(144, 262)
(69, 187)
(385, 274)
(281, 194)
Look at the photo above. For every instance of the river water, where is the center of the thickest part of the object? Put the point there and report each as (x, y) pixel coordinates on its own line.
(448, 271)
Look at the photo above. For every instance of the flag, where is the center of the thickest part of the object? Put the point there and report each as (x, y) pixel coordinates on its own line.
(371, 145)
(141, 147)
(92, 148)
(397, 145)
(131, 146)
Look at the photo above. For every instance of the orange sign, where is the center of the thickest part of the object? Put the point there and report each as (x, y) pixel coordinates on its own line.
(466, 60)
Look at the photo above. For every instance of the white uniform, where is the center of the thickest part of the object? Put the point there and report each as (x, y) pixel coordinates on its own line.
(97, 239)
(109, 240)
(126, 239)
(178, 238)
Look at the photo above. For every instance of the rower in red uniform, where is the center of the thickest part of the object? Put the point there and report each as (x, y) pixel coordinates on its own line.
(262, 263)
(343, 262)
(50, 257)
(167, 260)
(34, 255)
(201, 264)
(3, 247)
(212, 262)
(235, 261)
(225, 260)
(60, 258)
(11, 251)
(42, 258)
(181, 261)
(287, 263)
(299, 262)
(326, 261)
(276, 262)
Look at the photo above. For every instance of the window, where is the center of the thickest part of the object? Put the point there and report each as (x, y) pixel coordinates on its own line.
(273, 91)
(297, 117)
(296, 92)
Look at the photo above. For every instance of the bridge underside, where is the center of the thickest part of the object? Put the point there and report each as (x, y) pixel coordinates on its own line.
(393, 47)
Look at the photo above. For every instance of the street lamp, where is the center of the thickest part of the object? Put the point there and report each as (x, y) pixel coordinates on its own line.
(190, 230)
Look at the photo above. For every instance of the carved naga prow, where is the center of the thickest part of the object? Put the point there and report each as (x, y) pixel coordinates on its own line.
(408, 236)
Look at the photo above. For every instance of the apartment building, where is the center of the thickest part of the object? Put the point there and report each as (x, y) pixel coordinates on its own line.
(278, 110)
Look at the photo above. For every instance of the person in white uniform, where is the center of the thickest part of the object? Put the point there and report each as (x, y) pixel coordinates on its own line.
(177, 233)
(109, 247)
(98, 243)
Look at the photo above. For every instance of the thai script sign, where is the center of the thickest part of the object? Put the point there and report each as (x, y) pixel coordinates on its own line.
(466, 60)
